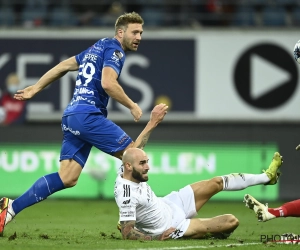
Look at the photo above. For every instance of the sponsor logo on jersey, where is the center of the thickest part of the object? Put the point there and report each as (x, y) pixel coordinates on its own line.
(126, 206)
(177, 233)
(116, 57)
(66, 128)
(127, 214)
(123, 138)
(83, 91)
(118, 54)
(77, 99)
(126, 202)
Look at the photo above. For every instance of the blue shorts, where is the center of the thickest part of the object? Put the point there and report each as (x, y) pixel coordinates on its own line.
(82, 131)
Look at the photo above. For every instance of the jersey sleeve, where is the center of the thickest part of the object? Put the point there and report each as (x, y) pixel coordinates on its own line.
(79, 58)
(127, 205)
(114, 58)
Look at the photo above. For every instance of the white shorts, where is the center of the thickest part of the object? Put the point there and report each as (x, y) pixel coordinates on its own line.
(183, 206)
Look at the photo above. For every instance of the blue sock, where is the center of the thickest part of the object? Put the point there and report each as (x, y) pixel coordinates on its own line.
(40, 190)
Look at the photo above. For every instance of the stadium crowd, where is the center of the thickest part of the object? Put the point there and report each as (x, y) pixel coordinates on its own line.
(156, 13)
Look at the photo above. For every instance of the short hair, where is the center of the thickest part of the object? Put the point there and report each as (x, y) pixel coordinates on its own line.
(127, 18)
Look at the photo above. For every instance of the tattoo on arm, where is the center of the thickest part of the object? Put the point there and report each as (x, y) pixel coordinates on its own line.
(130, 233)
(144, 140)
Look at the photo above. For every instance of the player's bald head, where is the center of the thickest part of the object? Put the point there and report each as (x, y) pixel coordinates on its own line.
(131, 154)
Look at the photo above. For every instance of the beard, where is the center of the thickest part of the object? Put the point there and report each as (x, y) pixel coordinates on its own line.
(138, 176)
(127, 45)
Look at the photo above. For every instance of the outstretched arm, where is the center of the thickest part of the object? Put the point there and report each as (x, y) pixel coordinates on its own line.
(157, 115)
(52, 75)
(130, 233)
(112, 87)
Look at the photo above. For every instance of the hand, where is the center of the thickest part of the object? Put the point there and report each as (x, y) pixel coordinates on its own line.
(167, 234)
(158, 113)
(136, 112)
(24, 94)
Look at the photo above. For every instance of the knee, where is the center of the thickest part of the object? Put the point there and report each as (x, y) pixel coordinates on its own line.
(232, 221)
(69, 172)
(217, 183)
(69, 182)
(68, 179)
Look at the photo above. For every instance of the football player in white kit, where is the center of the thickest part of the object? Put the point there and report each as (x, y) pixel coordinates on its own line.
(144, 216)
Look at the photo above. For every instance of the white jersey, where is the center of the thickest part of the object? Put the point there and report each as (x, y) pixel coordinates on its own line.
(137, 202)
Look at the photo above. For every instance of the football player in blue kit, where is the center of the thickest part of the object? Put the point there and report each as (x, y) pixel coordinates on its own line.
(84, 121)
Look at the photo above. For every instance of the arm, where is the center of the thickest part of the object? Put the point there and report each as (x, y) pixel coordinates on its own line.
(130, 233)
(114, 90)
(157, 115)
(52, 75)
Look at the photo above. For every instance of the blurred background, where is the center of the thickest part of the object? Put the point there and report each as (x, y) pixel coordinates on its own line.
(156, 13)
(225, 68)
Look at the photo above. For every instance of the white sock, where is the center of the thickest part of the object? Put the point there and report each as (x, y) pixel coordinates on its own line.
(241, 181)
(10, 208)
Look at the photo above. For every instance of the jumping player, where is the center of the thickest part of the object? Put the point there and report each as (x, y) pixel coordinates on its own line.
(84, 122)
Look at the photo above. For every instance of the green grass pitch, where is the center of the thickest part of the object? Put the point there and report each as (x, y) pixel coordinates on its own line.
(91, 224)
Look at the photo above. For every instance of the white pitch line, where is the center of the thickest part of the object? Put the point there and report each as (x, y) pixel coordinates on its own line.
(197, 247)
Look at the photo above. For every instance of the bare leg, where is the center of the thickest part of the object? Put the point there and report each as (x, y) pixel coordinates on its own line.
(69, 172)
(204, 190)
(219, 227)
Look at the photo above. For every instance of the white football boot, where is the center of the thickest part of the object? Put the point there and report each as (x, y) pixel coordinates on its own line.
(259, 209)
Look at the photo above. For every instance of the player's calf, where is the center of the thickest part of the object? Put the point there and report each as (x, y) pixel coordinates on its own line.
(217, 227)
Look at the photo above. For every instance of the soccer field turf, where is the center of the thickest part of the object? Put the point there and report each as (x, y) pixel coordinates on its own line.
(90, 224)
